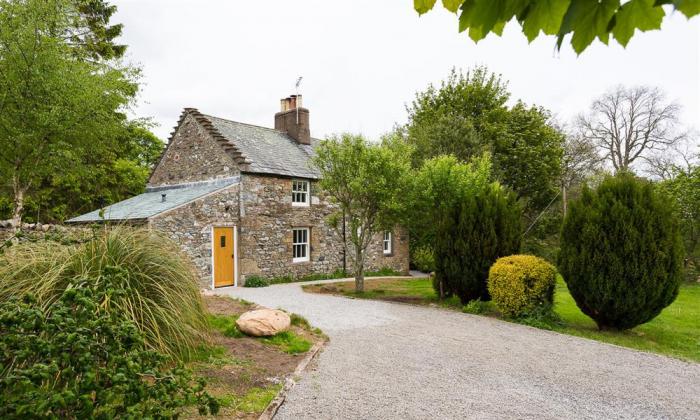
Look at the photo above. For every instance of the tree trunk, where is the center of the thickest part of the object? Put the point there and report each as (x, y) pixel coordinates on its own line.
(563, 200)
(18, 203)
(359, 271)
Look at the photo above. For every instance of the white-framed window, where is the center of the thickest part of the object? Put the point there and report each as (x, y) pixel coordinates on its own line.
(386, 243)
(300, 193)
(300, 244)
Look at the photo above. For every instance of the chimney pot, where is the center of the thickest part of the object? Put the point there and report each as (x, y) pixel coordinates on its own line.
(294, 120)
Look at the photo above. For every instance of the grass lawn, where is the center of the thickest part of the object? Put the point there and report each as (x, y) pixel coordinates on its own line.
(675, 332)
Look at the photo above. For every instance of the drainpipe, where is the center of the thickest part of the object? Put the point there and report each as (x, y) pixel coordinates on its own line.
(345, 246)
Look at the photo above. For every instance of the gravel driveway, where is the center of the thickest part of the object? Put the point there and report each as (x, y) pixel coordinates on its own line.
(388, 360)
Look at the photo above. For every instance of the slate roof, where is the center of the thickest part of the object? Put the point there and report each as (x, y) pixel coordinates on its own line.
(265, 150)
(150, 203)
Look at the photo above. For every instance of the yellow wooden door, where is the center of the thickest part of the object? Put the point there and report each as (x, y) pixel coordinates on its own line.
(223, 257)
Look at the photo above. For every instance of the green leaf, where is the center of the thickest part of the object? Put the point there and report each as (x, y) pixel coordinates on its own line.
(452, 5)
(544, 15)
(587, 19)
(636, 14)
(423, 6)
(689, 8)
(482, 16)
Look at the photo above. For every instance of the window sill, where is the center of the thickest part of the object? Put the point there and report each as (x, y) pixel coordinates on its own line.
(300, 261)
(300, 205)
(388, 254)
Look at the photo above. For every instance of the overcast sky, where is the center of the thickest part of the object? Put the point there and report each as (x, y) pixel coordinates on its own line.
(362, 61)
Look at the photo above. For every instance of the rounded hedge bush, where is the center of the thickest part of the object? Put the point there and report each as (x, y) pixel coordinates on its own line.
(621, 252)
(521, 285)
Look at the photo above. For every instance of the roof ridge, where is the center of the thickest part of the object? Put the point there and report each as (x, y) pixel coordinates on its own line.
(256, 126)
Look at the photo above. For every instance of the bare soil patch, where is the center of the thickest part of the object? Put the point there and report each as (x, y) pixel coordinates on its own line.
(245, 373)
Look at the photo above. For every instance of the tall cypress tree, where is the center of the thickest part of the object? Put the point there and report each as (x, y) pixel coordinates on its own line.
(621, 252)
(482, 227)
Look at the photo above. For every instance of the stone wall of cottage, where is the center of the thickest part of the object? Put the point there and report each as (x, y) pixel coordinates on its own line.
(267, 220)
(191, 226)
(265, 236)
(193, 155)
(264, 217)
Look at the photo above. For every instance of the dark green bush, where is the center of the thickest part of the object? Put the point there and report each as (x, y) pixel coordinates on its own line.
(621, 252)
(75, 359)
(483, 227)
(256, 281)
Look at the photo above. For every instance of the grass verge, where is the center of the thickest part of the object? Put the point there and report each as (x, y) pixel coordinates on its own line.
(675, 332)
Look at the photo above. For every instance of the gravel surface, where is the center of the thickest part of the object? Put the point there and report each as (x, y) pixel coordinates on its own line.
(387, 360)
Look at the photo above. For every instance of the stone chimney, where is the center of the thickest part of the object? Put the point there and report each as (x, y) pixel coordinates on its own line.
(293, 119)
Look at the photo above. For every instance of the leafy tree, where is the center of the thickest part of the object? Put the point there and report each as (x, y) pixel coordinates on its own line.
(77, 358)
(55, 106)
(462, 117)
(621, 252)
(99, 176)
(584, 19)
(467, 115)
(367, 182)
(684, 189)
(438, 187)
(528, 156)
(626, 124)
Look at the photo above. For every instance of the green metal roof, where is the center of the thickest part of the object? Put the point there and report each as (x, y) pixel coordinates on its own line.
(151, 203)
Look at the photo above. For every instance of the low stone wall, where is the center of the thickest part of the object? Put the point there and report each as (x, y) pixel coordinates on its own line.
(37, 231)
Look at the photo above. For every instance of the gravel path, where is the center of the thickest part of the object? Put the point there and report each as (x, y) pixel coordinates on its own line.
(388, 360)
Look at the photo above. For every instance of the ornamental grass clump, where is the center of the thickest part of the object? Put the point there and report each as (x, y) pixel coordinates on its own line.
(161, 293)
(522, 285)
(621, 252)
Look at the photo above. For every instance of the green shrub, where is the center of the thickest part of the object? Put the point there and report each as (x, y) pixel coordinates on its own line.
(423, 259)
(621, 252)
(162, 297)
(256, 281)
(484, 226)
(475, 307)
(76, 358)
(522, 285)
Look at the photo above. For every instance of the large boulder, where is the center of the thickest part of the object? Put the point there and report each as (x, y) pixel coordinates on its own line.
(263, 322)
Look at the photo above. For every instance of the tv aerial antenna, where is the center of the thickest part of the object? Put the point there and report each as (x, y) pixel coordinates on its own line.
(296, 87)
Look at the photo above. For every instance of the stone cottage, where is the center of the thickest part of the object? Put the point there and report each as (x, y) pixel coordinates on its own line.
(243, 200)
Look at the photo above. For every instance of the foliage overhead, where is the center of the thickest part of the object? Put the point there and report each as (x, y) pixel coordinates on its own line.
(367, 181)
(585, 20)
(621, 252)
(162, 297)
(78, 358)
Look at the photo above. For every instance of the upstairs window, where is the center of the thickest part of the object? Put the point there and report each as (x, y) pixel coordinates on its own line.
(300, 244)
(300, 193)
(387, 243)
